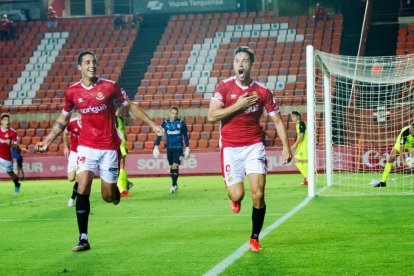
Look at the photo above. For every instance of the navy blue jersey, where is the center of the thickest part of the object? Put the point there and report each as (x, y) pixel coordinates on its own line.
(175, 131)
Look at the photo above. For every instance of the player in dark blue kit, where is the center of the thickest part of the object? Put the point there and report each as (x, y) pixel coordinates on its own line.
(176, 131)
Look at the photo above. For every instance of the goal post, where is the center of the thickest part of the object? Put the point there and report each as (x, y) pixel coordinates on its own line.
(356, 108)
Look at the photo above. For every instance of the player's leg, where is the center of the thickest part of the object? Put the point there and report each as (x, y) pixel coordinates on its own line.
(301, 161)
(256, 171)
(83, 208)
(108, 172)
(233, 174)
(71, 173)
(388, 167)
(257, 187)
(8, 167)
(20, 172)
(176, 161)
(87, 163)
(122, 181)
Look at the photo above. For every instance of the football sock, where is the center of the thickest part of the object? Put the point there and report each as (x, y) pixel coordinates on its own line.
(387, 170)
(175, 177)
(84, 236)
(75, 190)
(257, 219)
(83, 209)
(122, 180)
(16, 182)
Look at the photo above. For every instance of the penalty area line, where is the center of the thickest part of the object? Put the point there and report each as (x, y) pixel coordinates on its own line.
(221, 266)
(27, 200)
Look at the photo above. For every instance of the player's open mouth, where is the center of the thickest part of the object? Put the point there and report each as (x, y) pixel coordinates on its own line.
(241, 73)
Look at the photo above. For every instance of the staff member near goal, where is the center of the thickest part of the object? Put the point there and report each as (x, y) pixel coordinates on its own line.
(98, 140)
(301, 146)
(175, 130)
(405, 141)
(238, 103)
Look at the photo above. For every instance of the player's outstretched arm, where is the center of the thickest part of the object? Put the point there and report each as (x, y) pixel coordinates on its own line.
(282, 133)
(217, 112)
(140, 114)
(57, 129)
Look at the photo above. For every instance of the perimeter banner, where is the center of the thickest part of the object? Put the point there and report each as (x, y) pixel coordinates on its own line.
(345, 158)
(183, 6)
(144, 165)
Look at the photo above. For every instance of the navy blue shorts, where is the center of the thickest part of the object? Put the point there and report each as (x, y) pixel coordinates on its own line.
(174, 156)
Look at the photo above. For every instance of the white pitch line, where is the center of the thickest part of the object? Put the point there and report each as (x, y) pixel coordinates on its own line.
(125, 218)
(28, 200)
(220, 267)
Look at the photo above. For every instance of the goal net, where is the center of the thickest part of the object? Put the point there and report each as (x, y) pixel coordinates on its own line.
(357, 107)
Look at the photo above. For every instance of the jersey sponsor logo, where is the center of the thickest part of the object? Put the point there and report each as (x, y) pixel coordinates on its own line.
(93, 109)
(173, 132)
(100, 96)
(252, 109)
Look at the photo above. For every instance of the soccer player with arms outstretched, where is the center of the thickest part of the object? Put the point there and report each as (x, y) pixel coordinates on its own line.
(238, 103)
(176, 131)
(301, 146)
(98, 142)
(73, 131)
(8, 140)
(405, 142)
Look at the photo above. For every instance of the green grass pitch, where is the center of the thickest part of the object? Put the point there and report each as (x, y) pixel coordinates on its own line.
(188, 233)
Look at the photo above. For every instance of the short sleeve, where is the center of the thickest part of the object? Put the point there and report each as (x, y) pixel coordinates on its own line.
(69, 106)
(220, 93)
(271, 104)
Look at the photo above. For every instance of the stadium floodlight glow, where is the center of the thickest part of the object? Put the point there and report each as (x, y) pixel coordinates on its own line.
(357, 106)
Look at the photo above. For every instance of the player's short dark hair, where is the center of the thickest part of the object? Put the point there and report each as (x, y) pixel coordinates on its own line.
(296, 113)
(4, 115)
(244, 49)
(174, 108)
(84, 53)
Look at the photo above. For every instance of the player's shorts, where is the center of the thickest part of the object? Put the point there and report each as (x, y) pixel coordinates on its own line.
(301, 152)
(174, 156)
(236, 162)
(7, 165)
(103, 161)
(72, 161)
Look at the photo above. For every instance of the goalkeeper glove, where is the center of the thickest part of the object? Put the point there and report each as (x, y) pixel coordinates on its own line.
(187, 152)
(155, 152)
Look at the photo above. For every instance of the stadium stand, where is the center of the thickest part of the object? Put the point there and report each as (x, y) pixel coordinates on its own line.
(193, 55)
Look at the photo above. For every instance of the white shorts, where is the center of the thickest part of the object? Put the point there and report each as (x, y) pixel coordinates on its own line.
(7, 165)
(103, 161)
(237, 162)
(72, 161)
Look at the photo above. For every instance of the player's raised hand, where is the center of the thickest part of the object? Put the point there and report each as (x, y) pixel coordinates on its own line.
(41, 147)
(158, 130)
(245, 100)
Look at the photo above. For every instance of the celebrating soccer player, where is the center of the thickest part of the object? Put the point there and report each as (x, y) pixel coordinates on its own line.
(301, 146)
(72, 130)
(98, 142)
(8, 140)
(405, 141)
(238, 103)
(176, 130)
